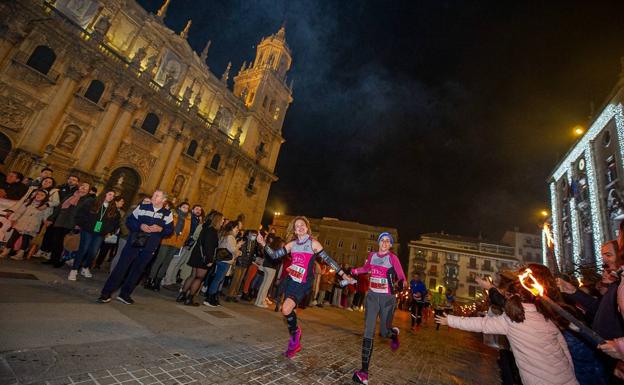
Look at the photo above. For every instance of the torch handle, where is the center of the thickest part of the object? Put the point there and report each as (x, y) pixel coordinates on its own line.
(589, 333)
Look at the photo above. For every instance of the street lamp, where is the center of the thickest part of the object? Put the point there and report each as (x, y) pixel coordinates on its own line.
(544, 213)
(578, 130)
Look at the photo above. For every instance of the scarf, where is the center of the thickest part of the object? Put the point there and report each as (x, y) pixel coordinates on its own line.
(72, 200)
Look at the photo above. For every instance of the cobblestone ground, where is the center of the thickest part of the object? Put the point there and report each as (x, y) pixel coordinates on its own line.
(52, 332)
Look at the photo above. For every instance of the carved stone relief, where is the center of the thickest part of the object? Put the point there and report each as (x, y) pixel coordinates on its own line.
(69, 139)
(13, 112)
(142, 161)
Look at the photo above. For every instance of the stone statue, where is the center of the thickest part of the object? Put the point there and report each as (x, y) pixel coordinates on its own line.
(197, 100)
(152, 61)
(138, 57)
(169, 82)
(100, 29)
(188, 92)
(243, 94)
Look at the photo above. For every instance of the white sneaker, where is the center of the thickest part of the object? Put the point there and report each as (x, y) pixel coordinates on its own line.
(262, 305)
(18, 256)
(348, 309)
(85, 272)
(46, 255)
(72, 275)
(39, 254)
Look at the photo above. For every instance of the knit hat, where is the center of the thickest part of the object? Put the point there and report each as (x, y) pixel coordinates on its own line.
(386, 234)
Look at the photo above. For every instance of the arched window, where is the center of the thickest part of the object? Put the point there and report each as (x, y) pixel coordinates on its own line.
(214, 164)
(272, 106)
(250, 185)
(42, 59)
(265, 101)
(192, 148)
(150, 123)
(94, 91)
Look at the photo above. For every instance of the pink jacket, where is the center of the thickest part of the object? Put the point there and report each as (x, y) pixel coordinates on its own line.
(540, 350)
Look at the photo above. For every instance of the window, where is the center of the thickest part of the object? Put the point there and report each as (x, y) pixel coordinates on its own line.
(340, 243)
(150, 123)
(265, 101)
(192, 148)
(473, 263)
(94, 91)
(432, 283)
(372, 236)
(250, 185)
(433, 269)
(472, 291)
(214, 164)
(327, 242)
(42, 59)
(487, 265)
(354, 246)
(471, 277)
(261, 147)
(369, 248)
(272, 106)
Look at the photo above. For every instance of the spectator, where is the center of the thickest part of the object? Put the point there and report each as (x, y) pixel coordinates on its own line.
(148, 224)
(227, 253)
(26, 222)
(249, 253)
(13, 189)
(43, 174)
(269, 268)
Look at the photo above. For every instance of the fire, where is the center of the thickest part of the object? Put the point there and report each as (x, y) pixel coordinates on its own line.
(535, 288)
(549, 238)
(580, 282)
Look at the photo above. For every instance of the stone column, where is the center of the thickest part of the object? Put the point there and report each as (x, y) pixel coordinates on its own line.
(100, 135)
(192, 187)
(167, 178)
(37, 135)
(155, 175)
(118, 132)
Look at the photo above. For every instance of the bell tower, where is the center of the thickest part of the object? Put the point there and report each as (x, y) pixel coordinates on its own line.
(263, 85)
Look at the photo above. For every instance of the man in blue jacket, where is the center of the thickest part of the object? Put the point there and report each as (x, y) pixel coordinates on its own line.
(418, 291)
(148, 224)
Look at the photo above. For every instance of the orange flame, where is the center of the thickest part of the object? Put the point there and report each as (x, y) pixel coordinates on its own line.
(533, 286)
(550, 241)
(580, 282)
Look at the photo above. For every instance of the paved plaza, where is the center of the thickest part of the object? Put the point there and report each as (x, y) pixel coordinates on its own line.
(52, 331)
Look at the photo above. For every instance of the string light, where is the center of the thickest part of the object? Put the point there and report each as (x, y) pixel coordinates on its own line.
(576, 246)
(555, 222)
(584, 148)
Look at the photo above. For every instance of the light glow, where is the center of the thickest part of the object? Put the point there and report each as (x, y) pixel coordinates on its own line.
(528, 281)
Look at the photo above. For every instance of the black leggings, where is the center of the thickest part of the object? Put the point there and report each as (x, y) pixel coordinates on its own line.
(416, 308)
(15, 236)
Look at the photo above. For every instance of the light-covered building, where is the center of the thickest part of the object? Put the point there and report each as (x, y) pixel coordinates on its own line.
(454, 261)
(347, 242)
(105, 90)
(527, 247)
(586, 190)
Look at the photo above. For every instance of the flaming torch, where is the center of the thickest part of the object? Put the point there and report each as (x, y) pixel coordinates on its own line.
(528, 281)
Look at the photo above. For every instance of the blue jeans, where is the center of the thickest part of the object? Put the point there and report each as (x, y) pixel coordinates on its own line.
(88, 249)
(222, 268)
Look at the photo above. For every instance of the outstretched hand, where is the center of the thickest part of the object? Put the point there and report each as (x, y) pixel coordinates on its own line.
(565, 286)
(442, 320)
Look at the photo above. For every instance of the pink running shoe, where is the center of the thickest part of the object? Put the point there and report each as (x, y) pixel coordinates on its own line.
(294, 344)
(394, 343)
(360, 377)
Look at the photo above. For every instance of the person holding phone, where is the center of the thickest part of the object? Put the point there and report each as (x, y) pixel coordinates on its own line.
(384, 268)
(302, 248)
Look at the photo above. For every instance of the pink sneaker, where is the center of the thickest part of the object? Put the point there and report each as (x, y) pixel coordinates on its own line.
(360, 377)
(394, 343)
(294, 344)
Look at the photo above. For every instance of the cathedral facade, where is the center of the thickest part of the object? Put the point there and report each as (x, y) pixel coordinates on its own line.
(105, 91)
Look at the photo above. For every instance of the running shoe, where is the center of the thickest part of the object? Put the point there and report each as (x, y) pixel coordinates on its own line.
(103, 299)
(394, 343)
(360, 377)
(126, 300)
(294, 344)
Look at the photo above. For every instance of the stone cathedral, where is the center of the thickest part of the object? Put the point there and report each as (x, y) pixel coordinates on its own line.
(106, 91)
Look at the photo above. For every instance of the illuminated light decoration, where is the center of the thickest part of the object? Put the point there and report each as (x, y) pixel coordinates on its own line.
(555, 222)
(545, 250)
(611, 111)
(576, 246)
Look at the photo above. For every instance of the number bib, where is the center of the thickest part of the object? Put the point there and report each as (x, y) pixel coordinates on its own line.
(379, 285)
(296, 273)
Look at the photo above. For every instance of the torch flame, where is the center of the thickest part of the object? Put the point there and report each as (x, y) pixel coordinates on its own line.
(580, 282)
(535, 288)
(549, 238)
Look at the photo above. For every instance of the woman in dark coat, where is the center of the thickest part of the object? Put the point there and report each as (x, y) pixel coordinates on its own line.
(202, 257)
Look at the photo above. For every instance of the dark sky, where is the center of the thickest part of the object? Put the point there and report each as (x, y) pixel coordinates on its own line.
(423, 115)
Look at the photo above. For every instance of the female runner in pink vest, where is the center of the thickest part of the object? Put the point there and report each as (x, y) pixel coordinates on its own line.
(303, 249)
(384, 268)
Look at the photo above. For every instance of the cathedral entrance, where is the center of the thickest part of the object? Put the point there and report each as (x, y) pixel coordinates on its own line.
(125, 182)
(5, 147)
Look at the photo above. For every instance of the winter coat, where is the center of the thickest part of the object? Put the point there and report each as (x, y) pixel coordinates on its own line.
(607, 321)
(86, 219)
(28, 219)
(66, 218)
(327, 281)
(178, 240)
(540, 350)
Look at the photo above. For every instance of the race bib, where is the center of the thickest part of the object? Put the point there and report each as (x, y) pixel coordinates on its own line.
(379, 285)
(296, 273)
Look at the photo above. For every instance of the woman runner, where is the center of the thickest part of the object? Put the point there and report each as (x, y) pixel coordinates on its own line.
(384, 267)
(302, 249)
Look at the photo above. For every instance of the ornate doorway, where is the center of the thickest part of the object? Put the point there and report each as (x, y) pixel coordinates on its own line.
(125, 182)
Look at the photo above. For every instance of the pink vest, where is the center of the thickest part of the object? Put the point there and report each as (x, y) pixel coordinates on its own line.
(302, 260)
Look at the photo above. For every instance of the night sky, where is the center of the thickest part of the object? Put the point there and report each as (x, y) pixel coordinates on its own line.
(423, 115)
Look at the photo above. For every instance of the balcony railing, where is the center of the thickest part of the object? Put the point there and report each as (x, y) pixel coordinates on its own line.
(432, 273)
(473, 266)
(487, 267)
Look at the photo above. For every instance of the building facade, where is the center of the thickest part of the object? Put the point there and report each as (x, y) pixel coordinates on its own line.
(106, 91)
(454, 261)
(347, 242)
(586, 191)
(527, 247)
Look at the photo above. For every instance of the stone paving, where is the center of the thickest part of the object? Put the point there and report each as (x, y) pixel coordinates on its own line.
(52, 332)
